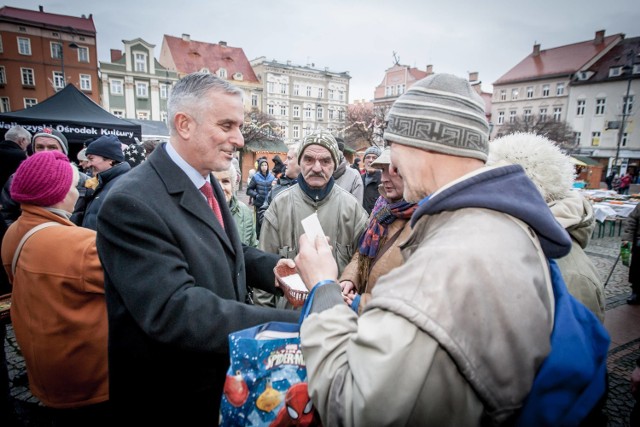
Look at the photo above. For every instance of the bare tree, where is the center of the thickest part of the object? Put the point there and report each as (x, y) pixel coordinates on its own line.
(260, 126)
(557, 131)
(365, 125)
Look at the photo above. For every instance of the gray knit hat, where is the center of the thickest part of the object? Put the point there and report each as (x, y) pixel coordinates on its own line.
(52, 133)
(324, 139)
(441, 113)
(376, 151)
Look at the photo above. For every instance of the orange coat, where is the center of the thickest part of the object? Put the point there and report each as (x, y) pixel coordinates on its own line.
(384, 263)
(58, 309)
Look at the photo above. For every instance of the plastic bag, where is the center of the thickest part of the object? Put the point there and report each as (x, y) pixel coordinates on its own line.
(266, 382)
(625, 254)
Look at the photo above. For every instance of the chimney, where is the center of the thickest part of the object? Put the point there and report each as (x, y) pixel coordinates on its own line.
(429, 69)
(41, 8)
(536, 49)
(599, 37)
(186, 37)
(473, 76)
(116, 55)
(222, 43)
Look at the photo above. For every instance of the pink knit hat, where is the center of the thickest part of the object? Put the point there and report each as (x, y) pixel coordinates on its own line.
(44, 179)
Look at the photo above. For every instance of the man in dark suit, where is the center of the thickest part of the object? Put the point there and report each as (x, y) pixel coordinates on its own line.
(175, 275)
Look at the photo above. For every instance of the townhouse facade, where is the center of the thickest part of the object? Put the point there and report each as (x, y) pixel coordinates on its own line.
(537, 88)
(134, 84)
(602, 110)
(303, 98)
(41, 52)
(395, 82)
(184, 56)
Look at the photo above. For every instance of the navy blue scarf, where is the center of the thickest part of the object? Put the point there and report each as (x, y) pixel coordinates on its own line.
(316, 194)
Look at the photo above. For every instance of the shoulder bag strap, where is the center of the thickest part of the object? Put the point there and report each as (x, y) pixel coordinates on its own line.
(24, 239)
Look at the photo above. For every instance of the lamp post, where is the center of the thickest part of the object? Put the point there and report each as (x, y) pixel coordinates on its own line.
(72, 45)
(628, 67)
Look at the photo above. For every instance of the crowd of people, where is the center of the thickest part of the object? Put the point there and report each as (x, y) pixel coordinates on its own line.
(445, 267)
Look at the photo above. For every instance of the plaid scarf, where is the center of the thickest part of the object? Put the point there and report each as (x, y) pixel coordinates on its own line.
(383, 214)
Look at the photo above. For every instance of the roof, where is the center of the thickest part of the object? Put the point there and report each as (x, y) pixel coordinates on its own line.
(48, 19)
(563, 60)
(190, 56)
(266, 146)
(618, 56)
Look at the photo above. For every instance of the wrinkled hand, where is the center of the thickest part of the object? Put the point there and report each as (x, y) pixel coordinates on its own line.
(315, 262)
(348, 291)
(635, 381)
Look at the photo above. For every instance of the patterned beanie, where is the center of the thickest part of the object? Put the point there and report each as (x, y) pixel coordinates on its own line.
(44, 179)
(441, 113)
(373, 150)
(107, 146)
(134, 154)
(52, 133)
(324, 139)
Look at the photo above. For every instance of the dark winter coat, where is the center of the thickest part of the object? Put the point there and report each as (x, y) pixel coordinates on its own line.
(371, 193)
(260, 186)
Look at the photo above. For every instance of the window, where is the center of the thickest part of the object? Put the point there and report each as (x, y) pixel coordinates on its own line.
(296, 89)
(503, 95)
(5, 107)
(545, 90)
(560, 89)
(85, 82)
(296, 131)
(283, 110)
(514, 94)
(116, 86)
(341, 95)
(1, 48)
(341, 115)
(319, 113)
(284, 88)
(624, 139)
(222, 73)
(330, 93)
(307, 112)
(595, 139)
(600, 106)
(164, 116)
(83, 54)
(118, 113)
(557, 114)
(512, 116)
(24, 46)
(30, 102)
(577, 136)
(270, 109)
(164, 91)
(56, 50)
(271, 87)
(628, 105)
(296, 111)
(27, 77)
(401, 89)
(615, 71)
(308, 90)
(254, 100)
(238, 76)
(500, 117)
(529, 92)
(320, 92)
(58, 80)
(3, 75)
(543, 114)
(527, 114)
(142, 115)
(142, 89)
(580, 109)
(139, 62)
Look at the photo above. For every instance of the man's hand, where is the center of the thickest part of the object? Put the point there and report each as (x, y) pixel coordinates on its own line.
(348, 291)
(315, 261)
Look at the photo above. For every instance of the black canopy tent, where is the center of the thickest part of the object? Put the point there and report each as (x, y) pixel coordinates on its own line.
(74, 114)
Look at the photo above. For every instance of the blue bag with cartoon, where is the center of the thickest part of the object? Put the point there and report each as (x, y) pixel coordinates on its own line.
(266, 382)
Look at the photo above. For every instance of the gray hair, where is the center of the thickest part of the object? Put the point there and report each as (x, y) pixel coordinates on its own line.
(17, 132)
(295, 148)
(189, 94)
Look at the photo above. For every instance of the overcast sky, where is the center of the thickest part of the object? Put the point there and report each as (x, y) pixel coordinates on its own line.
(360, 36)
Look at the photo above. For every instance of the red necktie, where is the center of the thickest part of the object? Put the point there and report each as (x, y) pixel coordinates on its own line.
(207, 190)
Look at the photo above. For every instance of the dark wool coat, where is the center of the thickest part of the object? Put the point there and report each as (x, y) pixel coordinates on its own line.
(176, 285)
(371, 192)
(11, 155)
